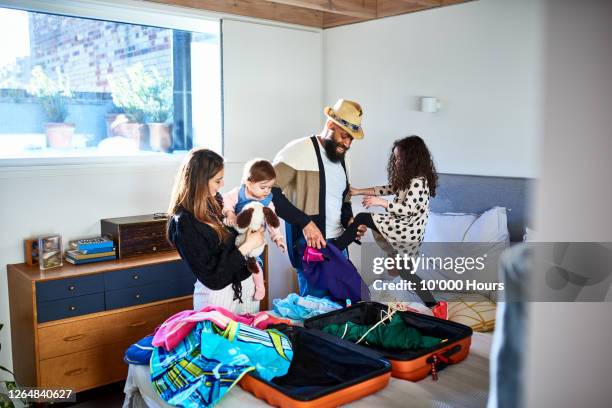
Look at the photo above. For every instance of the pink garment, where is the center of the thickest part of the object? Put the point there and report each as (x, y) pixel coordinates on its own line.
(230, 199)
(177, 327)
(313, 255)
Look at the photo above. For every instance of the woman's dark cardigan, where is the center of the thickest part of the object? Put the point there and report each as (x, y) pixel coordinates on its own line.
(214, 263)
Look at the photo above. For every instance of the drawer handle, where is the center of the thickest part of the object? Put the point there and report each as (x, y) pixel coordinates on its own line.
(138, 324)
(136, 276)
(137, 296)
(71, 288)
(75, 337)
(72, 308)
(76, 371)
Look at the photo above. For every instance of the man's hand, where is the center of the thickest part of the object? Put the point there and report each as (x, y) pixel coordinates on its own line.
(361, 230)
(280, 243)
(372, 201)
(314, 238)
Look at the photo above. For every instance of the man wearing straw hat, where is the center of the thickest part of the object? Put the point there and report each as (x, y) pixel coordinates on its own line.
(312, 185)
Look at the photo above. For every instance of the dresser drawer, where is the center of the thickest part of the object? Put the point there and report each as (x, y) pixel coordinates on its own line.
(144, 275)
(139, 295)
(85, 369)
(71, 307)
(70, 337)
(70, 287)
(179, 305)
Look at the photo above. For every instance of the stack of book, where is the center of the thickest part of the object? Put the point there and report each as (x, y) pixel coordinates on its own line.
(90, 250)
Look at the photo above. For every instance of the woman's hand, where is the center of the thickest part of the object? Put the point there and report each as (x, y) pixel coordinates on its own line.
(361, 191)
(254, 239)
(230, 218)
(372, 201)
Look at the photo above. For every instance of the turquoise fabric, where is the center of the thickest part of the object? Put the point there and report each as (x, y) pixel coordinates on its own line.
(207, 363)
(301, 308)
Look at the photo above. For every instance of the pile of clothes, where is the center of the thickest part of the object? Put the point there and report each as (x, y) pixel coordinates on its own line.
(196, 357)
(296, 307)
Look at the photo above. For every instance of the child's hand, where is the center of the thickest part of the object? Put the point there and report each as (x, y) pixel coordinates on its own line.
(373, 201)
(280, 243)
(230, 218)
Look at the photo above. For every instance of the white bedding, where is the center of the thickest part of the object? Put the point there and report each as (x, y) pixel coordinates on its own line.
(461, 385)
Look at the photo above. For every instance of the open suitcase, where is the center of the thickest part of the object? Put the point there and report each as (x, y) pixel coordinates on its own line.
(325, 372)
(410, 365)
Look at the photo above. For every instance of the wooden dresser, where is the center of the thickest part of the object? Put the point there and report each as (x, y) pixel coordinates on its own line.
(70, 326)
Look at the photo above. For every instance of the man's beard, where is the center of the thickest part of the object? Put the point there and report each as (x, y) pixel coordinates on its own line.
(331, 149)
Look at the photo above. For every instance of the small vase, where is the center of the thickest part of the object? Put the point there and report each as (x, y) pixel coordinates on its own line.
(160, 137)
(59, 135)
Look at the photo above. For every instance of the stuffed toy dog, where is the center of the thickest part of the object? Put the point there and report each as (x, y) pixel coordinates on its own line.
(252, 217)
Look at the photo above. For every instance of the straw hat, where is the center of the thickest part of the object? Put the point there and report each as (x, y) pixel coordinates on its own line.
(347, 115)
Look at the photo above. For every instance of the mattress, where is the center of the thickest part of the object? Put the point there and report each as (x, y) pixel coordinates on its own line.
(460, 385)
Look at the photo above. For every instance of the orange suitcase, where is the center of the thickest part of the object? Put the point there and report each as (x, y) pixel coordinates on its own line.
(412, 365)
(325, 372)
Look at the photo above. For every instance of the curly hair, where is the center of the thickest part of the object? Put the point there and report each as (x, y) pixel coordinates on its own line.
(414, 161)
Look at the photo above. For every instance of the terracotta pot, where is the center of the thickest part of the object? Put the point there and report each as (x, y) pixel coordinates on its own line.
(110, 118)
(160, 136)
(59, 135)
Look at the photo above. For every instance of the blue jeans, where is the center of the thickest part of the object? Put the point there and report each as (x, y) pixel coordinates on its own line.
(305, 288)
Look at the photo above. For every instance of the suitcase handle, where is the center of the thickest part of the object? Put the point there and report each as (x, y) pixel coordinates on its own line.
(439, 361)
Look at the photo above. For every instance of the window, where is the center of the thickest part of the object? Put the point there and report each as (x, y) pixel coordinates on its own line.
(73, 86)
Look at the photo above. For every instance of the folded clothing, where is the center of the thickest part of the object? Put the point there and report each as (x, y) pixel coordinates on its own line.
(395, 335)
(301, 308)
(209, 361)
(177, 327)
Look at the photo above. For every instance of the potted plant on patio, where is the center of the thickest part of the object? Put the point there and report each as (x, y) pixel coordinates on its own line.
(54, 96)
(127, 92)
(158, 110)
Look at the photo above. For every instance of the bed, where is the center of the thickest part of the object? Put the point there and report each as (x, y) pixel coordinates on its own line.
(461, 385)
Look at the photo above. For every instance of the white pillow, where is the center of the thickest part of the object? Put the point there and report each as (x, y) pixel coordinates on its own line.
(448, 227)
(491, 226)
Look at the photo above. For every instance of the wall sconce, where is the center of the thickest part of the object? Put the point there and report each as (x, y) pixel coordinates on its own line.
(430, 104)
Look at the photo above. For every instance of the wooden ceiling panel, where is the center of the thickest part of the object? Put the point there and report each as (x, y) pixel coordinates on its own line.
(314, 13)
(388, 8)
(255, 8)
(354, 8)
(335, 20)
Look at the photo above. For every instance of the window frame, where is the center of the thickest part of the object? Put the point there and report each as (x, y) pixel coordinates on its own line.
(132, 12)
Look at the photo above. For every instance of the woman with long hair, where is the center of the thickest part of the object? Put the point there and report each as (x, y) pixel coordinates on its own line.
(206, 245)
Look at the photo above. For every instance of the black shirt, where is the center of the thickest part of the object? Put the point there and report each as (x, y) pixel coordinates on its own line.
(216, 264)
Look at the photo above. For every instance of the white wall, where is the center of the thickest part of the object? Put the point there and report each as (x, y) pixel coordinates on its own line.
(272, 94)
(482, 59)
(273, 87)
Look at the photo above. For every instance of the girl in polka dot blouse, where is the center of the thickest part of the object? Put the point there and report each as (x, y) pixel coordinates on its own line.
(412, 180)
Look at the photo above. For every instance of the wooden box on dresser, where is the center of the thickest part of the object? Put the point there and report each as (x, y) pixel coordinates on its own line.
(70, 326)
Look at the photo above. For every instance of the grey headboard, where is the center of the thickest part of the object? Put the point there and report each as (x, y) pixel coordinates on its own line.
(476, 194)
